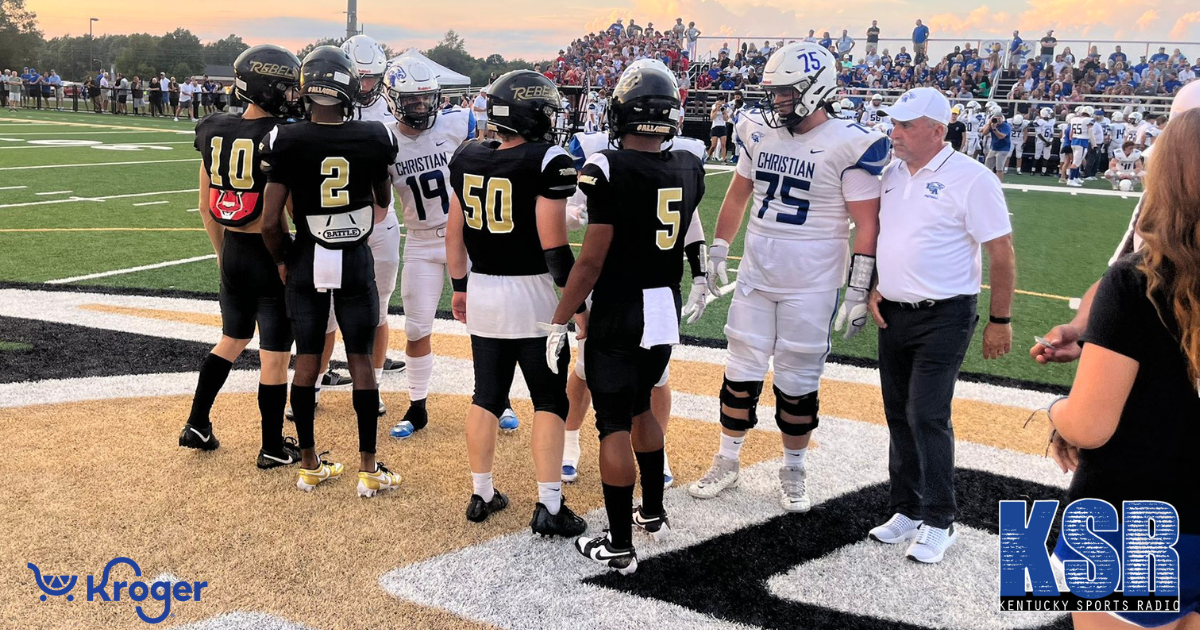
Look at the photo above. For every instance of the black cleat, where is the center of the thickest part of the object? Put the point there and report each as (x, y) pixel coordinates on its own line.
(601, 549)
(393, 366)
(478, 510)
(566, 523)
(659, 527)
(191, 437)
(290, 455)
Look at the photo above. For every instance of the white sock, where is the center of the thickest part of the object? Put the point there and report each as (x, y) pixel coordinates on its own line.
(794, 458)
(666, 464)
(378, 376)
(317, 394)
(419, 369)
(550, 495)
(483, 485)
(731, 447)
(571, 448)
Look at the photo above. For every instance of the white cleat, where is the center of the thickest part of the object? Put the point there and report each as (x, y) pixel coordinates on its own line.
(795, 494)
(723, 474)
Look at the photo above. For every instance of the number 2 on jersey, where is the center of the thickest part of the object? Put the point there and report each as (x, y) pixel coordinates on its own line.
(785, 196)
(337, 177)
(241, 154)
(429, 185)
(670, 218)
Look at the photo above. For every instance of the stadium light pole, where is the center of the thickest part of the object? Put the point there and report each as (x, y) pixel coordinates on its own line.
(351, 18)
(91, 40)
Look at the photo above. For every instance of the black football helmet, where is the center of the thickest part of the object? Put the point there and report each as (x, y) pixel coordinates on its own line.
(525, 103)
(329, 73)
(644, 101)
(264, 75)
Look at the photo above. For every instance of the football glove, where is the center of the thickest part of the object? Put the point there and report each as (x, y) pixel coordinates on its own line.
(555, 340)
(697, 299)
(716, 266)
(852, 315)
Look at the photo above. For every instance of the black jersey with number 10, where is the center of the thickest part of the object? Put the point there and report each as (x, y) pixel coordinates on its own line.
(650, 200)
(228, 144)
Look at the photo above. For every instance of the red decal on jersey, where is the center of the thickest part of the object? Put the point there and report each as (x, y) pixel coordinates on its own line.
(232, 206)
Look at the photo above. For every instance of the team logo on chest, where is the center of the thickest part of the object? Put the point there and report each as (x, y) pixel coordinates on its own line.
(934, 188)
(232, 205)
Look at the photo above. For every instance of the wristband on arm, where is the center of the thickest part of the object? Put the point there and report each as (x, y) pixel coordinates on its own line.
(559, 261)
(697, 258)
(862, 271)
(459, 284)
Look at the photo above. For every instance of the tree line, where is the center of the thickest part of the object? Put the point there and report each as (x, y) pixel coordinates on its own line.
(180, 53)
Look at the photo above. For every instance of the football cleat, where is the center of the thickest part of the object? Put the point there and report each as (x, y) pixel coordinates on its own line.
(723, 474)
(191, 437)
(659, 527)
(566, 523)
(896, 530)
(668, 481)
(601, 549)
(308, 478)
(382, 407)
(795, 494)
(372, 483)
(569, 473)
(414, 420)
(393, 366)
(509, 421)
(333, 378)
(290, 455)
(478, 510)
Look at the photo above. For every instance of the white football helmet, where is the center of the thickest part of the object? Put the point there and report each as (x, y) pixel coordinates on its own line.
(1088, 110)
(876, 99)
(1125, 185)
(837, 107)
(797, 78)
(1135, 118)
(847, 104)
(994, 110)
(1018, 119)
(992, 105)
(1046, 113)
(973, 106)
(414, 91)
(1118, 116)
(371, 61)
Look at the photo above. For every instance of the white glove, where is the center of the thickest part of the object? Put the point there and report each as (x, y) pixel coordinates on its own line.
(854, 311)
(577, 216)
(554, 343)
(716, 265)
(697, 299)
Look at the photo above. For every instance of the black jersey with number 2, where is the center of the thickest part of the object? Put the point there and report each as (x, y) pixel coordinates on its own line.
(228, 144)
(498, 191)
(650, 200)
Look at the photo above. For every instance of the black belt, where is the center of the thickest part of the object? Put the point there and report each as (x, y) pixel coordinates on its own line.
(924, 304)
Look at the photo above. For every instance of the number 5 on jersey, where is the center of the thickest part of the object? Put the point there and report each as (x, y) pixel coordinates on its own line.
(495, 206)
(670, 217)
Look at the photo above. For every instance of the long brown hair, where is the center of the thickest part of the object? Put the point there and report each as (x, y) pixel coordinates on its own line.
(1170, 228)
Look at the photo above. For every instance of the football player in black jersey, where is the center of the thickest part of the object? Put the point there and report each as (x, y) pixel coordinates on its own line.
(641, 203)
(336, 172)
(231, 204)
(508, 215)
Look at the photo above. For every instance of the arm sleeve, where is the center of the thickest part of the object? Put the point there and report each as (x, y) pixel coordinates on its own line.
(986, 209)
(859, 185)
(1121, 313)
(575, 150)
(594, 182)
(558, 175)
(875, 157)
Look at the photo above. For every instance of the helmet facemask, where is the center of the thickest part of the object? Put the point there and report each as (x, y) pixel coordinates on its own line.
(417, 110)
(365, 97)
(783, 106)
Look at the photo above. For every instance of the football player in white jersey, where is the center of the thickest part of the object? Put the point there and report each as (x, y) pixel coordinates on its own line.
(1116, 132)
(1020, 127)
(581, 147)
(1043, 129)
(973, 121)
(848, 108)
(1134, 127)
(1151, 130)
(870, 112)
(591, 113)
(426, 136)
(1126, 164)
(371, 62)
(809, 175)
(1081, 140)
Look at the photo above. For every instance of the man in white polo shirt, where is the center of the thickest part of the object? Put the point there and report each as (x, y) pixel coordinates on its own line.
(938, 207)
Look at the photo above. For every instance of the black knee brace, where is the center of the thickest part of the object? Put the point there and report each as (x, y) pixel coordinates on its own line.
(754, 389)
(806, 405)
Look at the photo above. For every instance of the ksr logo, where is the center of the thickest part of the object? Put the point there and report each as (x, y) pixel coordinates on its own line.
(162, 591)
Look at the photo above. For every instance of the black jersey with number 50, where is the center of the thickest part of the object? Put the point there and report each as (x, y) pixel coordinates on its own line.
(650, 200)
(228, 144)
(331, 170)
(498, 191)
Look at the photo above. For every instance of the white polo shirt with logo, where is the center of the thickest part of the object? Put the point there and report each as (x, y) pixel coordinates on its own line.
(931, 226)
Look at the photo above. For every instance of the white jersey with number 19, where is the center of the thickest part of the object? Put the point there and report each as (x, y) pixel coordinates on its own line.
(421, 174)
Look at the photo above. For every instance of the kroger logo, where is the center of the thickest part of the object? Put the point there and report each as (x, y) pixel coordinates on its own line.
(163, 591)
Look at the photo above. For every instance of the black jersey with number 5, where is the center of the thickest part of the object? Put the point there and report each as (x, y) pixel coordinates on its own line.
(650, 200)
(498, 191)
(228, 144)
(331, 170)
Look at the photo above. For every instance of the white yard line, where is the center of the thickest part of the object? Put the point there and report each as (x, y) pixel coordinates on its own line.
(150, 203)
(12, 187)
(89, 133)
(30, 168)
(99, 199)
(55, 192)
(1073, 191)
(76, 146)
(117, 272)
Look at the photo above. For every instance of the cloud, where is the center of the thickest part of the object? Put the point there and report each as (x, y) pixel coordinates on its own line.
(1183, 24)
(1148, 18)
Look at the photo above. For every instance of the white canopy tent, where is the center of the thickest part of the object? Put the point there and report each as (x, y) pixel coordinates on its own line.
(446, 77)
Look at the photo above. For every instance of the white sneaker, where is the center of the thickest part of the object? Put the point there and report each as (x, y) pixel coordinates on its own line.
(176, 119)
(723, 474)
(896, 530)
(795, 495)
(931, 543)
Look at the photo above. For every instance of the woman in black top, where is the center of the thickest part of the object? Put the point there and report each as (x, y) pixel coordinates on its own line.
(136, 88)
(1132, 422)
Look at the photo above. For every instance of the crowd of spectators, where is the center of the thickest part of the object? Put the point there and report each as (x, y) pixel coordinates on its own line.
(104, 93)
(597, 60)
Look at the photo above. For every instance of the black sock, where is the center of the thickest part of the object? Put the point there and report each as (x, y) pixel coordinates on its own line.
(617, 503)
(212, 377)
(271, 401)
(420, 421)
(650, 465)
(304, 406)
(366, 407)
